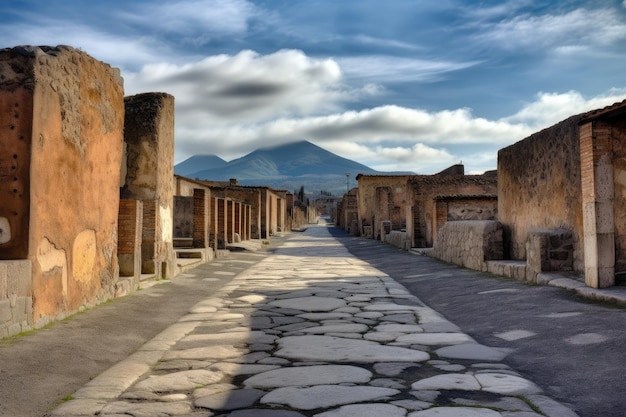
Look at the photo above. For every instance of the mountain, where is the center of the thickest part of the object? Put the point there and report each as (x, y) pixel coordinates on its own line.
(197, 163)
(283, 167)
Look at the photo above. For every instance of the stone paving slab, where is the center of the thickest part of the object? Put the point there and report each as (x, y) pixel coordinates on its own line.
(313, 331)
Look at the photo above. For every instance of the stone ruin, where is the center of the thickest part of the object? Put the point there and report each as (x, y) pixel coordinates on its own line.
(87, 189)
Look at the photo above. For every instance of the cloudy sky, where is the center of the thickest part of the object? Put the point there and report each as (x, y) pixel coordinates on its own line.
(412, 85)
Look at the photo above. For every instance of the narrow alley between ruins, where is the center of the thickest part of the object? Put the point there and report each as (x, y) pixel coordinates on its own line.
(328, 325)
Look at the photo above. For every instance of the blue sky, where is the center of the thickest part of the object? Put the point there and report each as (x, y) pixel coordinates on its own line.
(396, 84)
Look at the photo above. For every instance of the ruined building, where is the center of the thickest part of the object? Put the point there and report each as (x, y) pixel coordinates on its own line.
(561, 206)
(89, 204)
(408, 210)
(562, 198)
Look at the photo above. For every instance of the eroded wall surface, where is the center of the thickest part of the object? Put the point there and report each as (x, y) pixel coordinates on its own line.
(149, 137)
(62, 122)
(539, 188)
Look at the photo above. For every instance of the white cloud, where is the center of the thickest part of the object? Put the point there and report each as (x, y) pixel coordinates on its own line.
(392, 69)
(199, 20)
(231, 105)
(247, 87)
(550, 108)
(397, 138)
(389, 43)
(578, 27)
(105, 46)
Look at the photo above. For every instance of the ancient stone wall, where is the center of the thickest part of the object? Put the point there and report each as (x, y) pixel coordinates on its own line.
(382, 197)
(470, 244)
(425, 190)
(61, 136)
(149, 138)
(539, 187)
(460, 207)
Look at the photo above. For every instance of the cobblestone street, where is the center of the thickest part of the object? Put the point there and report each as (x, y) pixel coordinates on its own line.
(311, 330)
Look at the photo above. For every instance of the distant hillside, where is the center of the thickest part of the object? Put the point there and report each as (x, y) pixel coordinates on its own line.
(197, 163)
(283, 167)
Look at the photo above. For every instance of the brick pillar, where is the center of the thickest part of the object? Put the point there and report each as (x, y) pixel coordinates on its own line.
(230, 221)
(201, 200)
(597, 195)
(129, 226)
(441, 215)
(280, 207)
(246, 222)
(222, 218)
(214, 223)
(148, 237)
(237, 219)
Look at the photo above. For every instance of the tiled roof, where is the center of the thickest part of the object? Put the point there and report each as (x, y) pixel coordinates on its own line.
(608, 111)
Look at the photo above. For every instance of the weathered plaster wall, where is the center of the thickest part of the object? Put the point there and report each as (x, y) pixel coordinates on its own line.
(65, 139)
(539, 188)
(149, 137)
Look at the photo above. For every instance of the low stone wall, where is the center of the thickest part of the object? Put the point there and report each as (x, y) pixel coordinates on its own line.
(398, 238)
(470, 243)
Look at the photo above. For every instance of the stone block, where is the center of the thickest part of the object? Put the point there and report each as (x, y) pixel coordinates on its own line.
(19, 310)
(6, 312)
